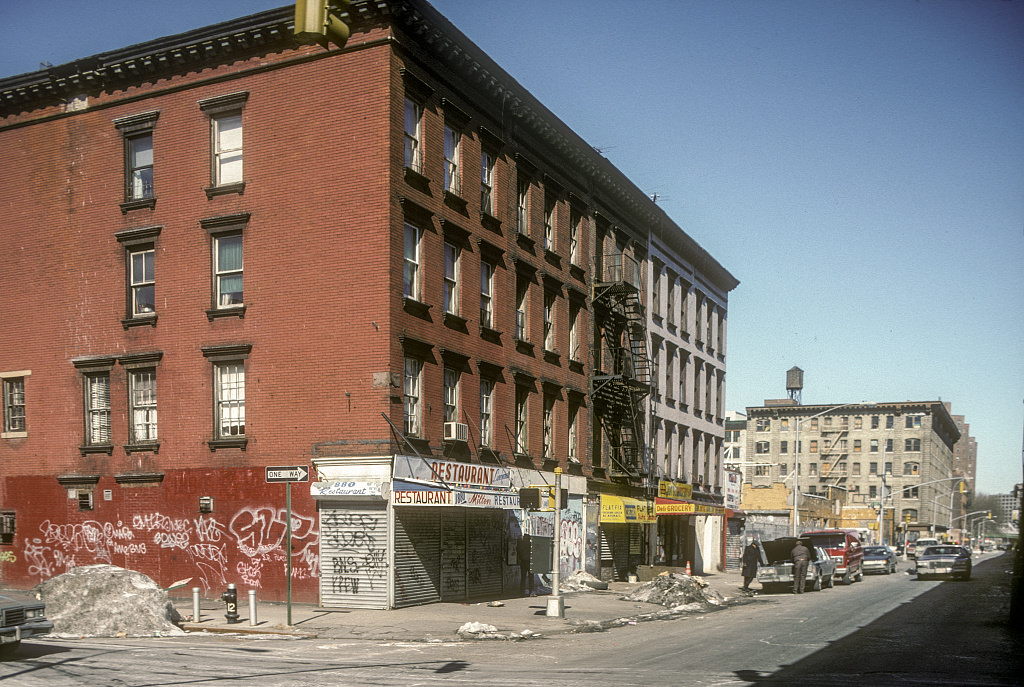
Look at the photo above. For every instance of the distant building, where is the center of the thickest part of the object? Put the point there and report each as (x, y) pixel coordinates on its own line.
(853, 462)
(965, 462)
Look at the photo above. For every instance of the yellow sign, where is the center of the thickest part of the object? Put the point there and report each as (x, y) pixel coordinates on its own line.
(675, 490)
(663, 507)
(625, 509)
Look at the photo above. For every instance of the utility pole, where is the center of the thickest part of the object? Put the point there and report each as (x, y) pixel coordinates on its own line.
(556, 604)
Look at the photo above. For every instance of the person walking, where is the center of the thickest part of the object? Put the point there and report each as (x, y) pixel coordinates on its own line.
(801, 556)
(751, 555)
(523, 557)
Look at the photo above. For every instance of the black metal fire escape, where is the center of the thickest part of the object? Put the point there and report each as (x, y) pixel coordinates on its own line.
(622, 364)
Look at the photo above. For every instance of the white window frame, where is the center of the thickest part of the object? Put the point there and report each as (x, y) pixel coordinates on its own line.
(522, 413)
(142, 280)
(548, 428)
(550, 208)
(413, 135)
(412, 381)
(523, 206)
(139, 166)
(452, 253)
(97, 408)
(487, 294)
(452, 378)
(142, 401)
(573, 433)
(574, 330)
(229, 399)
(452, 160)
(224, 274)
(549, 320)
(575, 231)
(412, 282)
(522, 309)
(226, 130)
(487, 162)
(486, 411)
(15, 408)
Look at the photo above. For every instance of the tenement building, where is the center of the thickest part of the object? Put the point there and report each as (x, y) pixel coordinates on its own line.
(885, 466)
(244, 262)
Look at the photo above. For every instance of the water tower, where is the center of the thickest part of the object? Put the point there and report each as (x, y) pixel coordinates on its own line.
(795, 384)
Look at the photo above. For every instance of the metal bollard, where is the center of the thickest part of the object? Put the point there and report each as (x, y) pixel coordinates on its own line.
(195, 605)
(252, 607)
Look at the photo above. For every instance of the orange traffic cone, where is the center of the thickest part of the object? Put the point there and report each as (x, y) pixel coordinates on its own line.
(687, 567)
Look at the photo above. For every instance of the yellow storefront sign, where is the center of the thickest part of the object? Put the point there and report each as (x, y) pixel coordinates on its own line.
(675, 490)
(625, 509)
(670, 507)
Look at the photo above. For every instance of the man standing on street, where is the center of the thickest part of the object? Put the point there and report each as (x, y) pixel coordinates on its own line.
(525, 574)
(801, 556)
(751, 555)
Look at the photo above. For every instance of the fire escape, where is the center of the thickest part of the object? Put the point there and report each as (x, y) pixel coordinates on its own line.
(622, 365)
(834, 475)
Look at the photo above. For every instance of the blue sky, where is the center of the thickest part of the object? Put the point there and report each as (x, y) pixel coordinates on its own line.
(858, 165)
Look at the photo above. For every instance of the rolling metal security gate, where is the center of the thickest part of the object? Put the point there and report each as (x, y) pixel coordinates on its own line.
(353, 556)
(484, 552)
(734, 544)
(417, 556)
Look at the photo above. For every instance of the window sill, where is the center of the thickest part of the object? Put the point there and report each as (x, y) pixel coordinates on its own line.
(491, 222)
(455, 202)
(227, 189)
(150, 446)
(232, 442)
(553, 357)
(488, 454)
(489, 334)
(524, 346)
(140, 321)
(577, 272)
(414, 307)
(130, 205)
(525, 242)
(576, 366)
(417, 180)
(13, 435)
(553, 258)
(453, 321)
(218, 313)
(97, 448)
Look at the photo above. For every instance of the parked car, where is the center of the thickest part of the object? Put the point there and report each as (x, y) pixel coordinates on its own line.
(775, 570)
(919, 545)
(21, 617)
(879, 559)
(845, 549)
(944, 559)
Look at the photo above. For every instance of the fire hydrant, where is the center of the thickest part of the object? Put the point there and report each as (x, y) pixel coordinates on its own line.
(230, 597)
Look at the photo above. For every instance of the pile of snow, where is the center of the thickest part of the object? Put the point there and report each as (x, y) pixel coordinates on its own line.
(673, 590)
(107, 601)
(581, 581)
(484, 631)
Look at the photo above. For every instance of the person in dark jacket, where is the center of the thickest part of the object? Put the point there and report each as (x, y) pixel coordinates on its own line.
(801, 556)
(525, 575)
(751, 556)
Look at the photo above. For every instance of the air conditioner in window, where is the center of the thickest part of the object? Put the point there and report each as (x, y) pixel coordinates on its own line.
(456, 431)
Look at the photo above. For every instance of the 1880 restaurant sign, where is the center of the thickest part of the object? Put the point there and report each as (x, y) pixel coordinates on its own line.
(426, 482)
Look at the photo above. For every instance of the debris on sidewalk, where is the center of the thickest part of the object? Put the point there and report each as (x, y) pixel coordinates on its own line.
(108, 601)
(474, 630)
(581, 581)
(676, 590)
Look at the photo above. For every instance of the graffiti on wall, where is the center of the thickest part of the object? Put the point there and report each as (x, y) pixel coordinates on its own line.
(253, 538)
(572, 534)
(358, 558)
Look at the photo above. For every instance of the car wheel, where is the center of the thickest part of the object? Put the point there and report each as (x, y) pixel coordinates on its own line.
(817, 582)
(831, 581)
(847, 580)
(859, 577)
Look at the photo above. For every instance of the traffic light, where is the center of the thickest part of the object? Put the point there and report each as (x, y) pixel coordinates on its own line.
(316, 21)
(564, 496)
(529, 498)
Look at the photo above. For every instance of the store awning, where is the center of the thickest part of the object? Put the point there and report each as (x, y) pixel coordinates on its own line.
(411, 493)
(625, 509)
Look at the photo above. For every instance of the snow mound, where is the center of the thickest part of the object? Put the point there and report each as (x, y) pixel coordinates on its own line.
(674, 590)
(107, 601)
(581, 581)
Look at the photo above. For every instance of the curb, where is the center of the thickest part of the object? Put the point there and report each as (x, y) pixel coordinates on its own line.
(249, 630)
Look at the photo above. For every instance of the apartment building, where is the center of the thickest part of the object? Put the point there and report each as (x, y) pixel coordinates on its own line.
(232, 250)
(854, 465)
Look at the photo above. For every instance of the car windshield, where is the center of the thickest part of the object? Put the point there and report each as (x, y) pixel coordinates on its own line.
(942, 551)
(829, 541)
(876, 550)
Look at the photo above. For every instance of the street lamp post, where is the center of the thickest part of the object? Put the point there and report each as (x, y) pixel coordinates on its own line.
(796, 471)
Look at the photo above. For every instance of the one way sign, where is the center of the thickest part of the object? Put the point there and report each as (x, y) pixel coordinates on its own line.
(288, 473)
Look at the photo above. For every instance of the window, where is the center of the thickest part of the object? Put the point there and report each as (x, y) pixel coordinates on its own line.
(549, 321)
(227, 268)
(549, 224)
(487, 183)
(912, 493)
(813, 469)
(888, 467)
(522, 407)
(827, 421)
(97, 409)
(522, 206)
(764, 424)
(411, 280)
(909, 515)
(451, 395)
(874, 422)
(413, 372)
(522, 291)
(761, 470)
(888, 421)
(14, 406)
(855, 470)
(573, 431)
(575, 234)
(452, 158)
(657, 276)
(858, 422)
(911, 468)
(762, 447)
(486, 411)
(227, 149)
(913, 421)
(574, 330)
(814, 424)
(487, 295)
(230, 399)
(670, 300)
(451, 279)
(857, 446)
(7, 527)
(139, 166)
(873, 492)
(548, 428)
(783, 447)
(142, 282)
(872, 468)
(888, 445)
(814, 445)
(912, 445)
(874, 445)
(413, 131)
(142, 405)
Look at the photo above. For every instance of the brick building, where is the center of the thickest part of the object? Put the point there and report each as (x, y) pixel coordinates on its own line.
(228, 250)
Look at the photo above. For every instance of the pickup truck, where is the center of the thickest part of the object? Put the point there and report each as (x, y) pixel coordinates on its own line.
(21, 617)
(775, 569)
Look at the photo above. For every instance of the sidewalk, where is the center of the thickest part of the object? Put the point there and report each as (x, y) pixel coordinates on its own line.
(584, 612)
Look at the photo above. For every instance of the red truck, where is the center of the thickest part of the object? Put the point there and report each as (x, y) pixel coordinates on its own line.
(845, 549)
